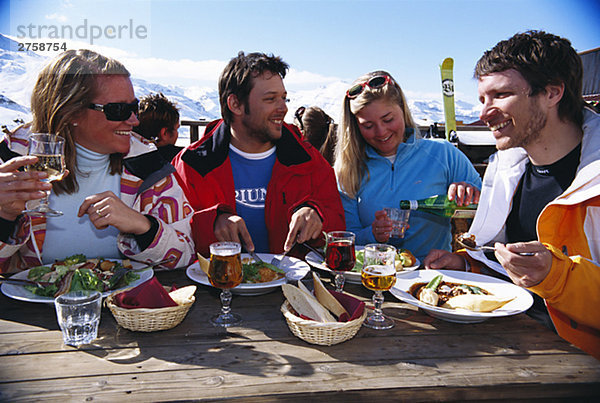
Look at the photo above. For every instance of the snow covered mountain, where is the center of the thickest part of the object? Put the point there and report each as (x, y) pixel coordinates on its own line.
(19, 70)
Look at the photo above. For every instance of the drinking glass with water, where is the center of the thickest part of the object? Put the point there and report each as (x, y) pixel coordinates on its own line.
(78, 314)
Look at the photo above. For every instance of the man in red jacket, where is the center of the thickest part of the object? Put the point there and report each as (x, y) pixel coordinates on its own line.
(250, 178)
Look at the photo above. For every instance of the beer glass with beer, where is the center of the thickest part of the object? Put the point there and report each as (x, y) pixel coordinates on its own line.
(50, 152)
(379, 274)
(340, 255)
(225, 272)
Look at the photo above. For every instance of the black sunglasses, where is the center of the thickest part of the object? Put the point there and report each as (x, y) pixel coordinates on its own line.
(117, 111)
(373, 83)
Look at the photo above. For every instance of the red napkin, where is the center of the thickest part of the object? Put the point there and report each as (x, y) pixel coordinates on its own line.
(353, 306)
(150, 294)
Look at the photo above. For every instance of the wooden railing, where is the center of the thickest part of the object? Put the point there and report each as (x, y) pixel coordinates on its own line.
(195, 126)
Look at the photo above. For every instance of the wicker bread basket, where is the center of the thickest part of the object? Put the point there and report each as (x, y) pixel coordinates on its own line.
(149, 319)
(322, 333)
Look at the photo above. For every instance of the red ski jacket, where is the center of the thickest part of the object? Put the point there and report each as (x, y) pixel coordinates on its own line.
(300, 177)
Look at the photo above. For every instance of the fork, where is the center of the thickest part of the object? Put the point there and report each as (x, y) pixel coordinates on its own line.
(276, 261)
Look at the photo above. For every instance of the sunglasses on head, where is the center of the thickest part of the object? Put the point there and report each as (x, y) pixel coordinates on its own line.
(373, 83)
(117, 111)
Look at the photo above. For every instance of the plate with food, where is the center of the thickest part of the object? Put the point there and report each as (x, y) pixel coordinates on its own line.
(461, 297)
(76, 273)
(405, 262)
(258, 279)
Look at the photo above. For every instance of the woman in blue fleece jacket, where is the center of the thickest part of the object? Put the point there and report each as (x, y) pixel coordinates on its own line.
(381, 159)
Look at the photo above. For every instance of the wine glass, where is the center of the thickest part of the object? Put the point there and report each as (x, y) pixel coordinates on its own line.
(340, 255)
(379, 274)
(50, 152)
(225, 272)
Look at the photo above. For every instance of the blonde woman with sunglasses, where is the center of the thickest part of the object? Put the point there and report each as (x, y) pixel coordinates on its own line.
(119, 198)
(381, 159)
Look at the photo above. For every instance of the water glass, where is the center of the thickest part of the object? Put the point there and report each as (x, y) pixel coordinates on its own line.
(399, 218)
(78, 314)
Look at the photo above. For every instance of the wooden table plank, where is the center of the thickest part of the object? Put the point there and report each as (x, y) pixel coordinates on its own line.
(421, 358)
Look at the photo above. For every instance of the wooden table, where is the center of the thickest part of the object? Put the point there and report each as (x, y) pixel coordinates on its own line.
(420, 359)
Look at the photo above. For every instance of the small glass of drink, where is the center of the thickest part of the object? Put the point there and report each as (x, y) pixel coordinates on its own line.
(399, 218)
(78, 314)
(225, 272)
(340, 255)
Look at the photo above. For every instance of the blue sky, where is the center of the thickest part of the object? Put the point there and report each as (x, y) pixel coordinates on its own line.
(188, 42)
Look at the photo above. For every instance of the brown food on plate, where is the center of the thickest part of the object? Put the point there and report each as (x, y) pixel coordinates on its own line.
(468, 240)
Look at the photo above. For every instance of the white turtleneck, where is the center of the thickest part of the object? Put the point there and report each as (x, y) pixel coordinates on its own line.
(68, 234)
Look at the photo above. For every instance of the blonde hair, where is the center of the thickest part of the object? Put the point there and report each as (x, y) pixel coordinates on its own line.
(63, 90)
(350, 153)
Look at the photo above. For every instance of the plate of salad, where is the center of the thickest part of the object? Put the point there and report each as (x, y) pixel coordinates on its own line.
(74, 273)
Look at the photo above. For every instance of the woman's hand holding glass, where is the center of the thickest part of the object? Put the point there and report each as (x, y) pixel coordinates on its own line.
(49, 150)
(18, 187)
(106, 209)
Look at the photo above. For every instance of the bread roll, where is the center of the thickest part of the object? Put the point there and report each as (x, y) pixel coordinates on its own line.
(183, 295)
(305, 304)
(326, 299)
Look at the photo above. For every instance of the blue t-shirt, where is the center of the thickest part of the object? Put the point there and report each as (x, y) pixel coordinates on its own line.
(251, 176)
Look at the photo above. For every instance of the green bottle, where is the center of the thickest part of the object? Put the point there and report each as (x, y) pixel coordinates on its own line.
(441, 206)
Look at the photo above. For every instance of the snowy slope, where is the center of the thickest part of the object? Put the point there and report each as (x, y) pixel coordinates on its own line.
(19, 70)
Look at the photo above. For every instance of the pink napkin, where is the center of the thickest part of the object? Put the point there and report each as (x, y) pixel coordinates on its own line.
(150, 294)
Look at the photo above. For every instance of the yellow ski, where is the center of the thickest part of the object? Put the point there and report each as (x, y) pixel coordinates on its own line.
(448, 95)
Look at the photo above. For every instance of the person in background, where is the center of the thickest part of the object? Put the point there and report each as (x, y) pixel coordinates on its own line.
(318, 128)
(159, 122)
(542, 188)
(251, 179)
(117, 202)
(381, 159)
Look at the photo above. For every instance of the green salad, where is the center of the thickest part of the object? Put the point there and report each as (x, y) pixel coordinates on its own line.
(77, 272)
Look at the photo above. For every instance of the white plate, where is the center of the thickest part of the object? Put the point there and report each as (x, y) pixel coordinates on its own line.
(351, 276)
(498, 287)
(295, 269)
(21, 293)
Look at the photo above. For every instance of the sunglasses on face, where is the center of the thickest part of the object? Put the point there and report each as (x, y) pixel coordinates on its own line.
(117, 111)
(373, 83)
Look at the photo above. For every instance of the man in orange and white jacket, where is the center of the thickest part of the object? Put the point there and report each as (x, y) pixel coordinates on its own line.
(541, 190)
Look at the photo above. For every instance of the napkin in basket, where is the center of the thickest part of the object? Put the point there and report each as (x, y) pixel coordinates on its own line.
(353, 306)
(150, 294)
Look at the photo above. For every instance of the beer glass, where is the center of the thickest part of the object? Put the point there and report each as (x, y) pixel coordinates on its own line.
(340, 255)
(225, 272)
(379, 274)
(50, 152)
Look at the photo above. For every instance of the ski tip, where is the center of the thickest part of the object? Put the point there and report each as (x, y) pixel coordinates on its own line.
(448, 63)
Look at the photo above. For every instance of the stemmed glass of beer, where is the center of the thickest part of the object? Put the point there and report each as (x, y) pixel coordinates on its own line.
(379, 274)
(225, 272)
(340, 255)
(50, 152)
